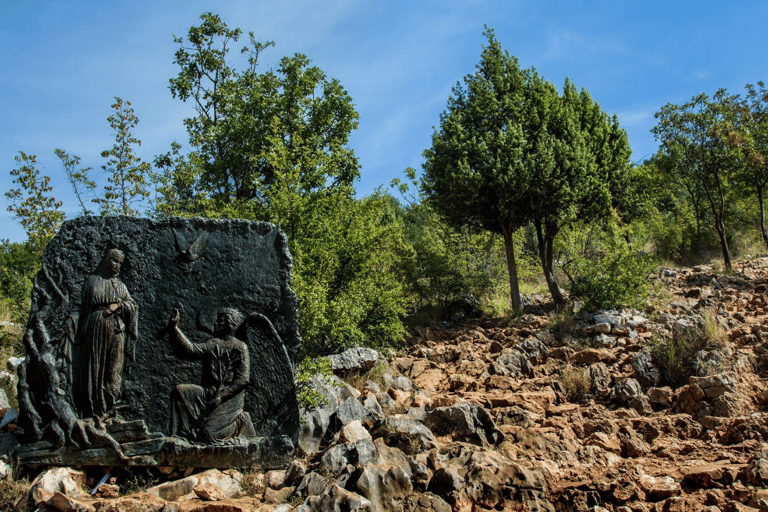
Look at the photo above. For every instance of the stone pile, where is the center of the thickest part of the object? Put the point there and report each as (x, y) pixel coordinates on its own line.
(528, 414)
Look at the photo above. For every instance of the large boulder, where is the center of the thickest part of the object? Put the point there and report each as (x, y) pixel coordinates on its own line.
(466, 422)
(356, 359)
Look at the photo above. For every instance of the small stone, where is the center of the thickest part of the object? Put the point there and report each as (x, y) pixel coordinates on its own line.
(604, 328)
(277, 496)
(108, 491)
(208, 492)
(354, 431)
(275, 479)
(661, 396)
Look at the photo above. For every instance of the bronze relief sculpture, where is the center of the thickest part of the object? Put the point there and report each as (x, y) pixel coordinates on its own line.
(213, 412)
(103, 328)
(90, 394)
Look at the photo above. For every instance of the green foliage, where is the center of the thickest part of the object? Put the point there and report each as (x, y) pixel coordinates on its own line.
(272, 146)
(32, 204)
(18, 265)
(307, 397)
(701, 147)
(127, 175)
(78, 177)
(511, 151)
(617, 275)
(754, 115)
(348, 261)
(448, 263)
(255, 132)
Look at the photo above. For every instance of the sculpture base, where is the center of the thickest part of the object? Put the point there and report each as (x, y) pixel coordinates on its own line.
(143, 448)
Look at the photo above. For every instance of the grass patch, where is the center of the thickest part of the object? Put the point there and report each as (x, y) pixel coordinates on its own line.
(139, 479)
(677, 359)
(562, 323)
(13, 489)
(576, 383)
(253, 482)
(375, 375)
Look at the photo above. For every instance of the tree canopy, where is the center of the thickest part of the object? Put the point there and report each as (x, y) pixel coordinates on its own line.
(252, 128)
(510, 151)
(702, 142)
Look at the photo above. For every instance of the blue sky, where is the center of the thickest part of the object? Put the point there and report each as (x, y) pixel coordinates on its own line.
(64, 62)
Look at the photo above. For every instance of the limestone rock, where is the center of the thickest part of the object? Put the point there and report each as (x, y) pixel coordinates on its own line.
(338, 457)
(513, 363)
(626, 390)
(466, 422)
(354, 431)
(63, 480)
(356, 359)
(174, 490)
(385, 488)
(659, 487)
(334, 499)
(645, 371)
(409, 435)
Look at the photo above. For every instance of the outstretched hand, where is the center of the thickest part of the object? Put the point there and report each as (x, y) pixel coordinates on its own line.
(174, 320)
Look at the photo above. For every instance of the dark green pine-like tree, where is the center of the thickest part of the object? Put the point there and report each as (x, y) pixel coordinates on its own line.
(511, 151)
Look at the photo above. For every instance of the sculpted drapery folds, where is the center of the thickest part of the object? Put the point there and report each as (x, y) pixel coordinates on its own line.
(104, 329)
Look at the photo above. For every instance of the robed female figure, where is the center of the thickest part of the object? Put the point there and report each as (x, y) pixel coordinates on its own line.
(107, 330)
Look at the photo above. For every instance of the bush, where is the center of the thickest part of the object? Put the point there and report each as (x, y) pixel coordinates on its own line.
(576, 383)
(681, 356)
(307, 397)
(616, 276)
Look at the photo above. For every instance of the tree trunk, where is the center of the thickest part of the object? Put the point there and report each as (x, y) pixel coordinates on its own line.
(545, 257)
(762, 215)
(514, 285)
(723, 243)
(719, 213)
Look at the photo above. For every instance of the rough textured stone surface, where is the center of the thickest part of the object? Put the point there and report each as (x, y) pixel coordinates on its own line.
(197, 266)
(63, 480)
(228, 485)
(465, 422)
(357, 359)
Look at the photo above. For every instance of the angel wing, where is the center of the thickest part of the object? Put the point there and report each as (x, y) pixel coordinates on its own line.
(271, 394)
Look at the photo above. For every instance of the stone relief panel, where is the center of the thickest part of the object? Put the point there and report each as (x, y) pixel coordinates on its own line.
(119, 334)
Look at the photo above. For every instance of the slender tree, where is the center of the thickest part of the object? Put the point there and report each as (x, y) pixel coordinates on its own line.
(32, 203)
(754, 110)
(78, 177)
(127, 176)
(703, 137)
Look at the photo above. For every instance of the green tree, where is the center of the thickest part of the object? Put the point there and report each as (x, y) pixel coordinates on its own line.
(447, 263)
(39, 214)
(18, 265)
(127, 175)
(701, 140)
(78, 177)
(32, 203)
(510, 151)
(754, 108)
(476, 173)
(252, 127)
(581, 160)
(273, 146)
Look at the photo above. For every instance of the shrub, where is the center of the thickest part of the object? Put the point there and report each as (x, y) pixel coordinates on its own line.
(576, 383)
(616, 276)
(307, 397)
(680, 357)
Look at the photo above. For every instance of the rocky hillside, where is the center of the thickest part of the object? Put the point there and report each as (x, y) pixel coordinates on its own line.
(543, 412)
